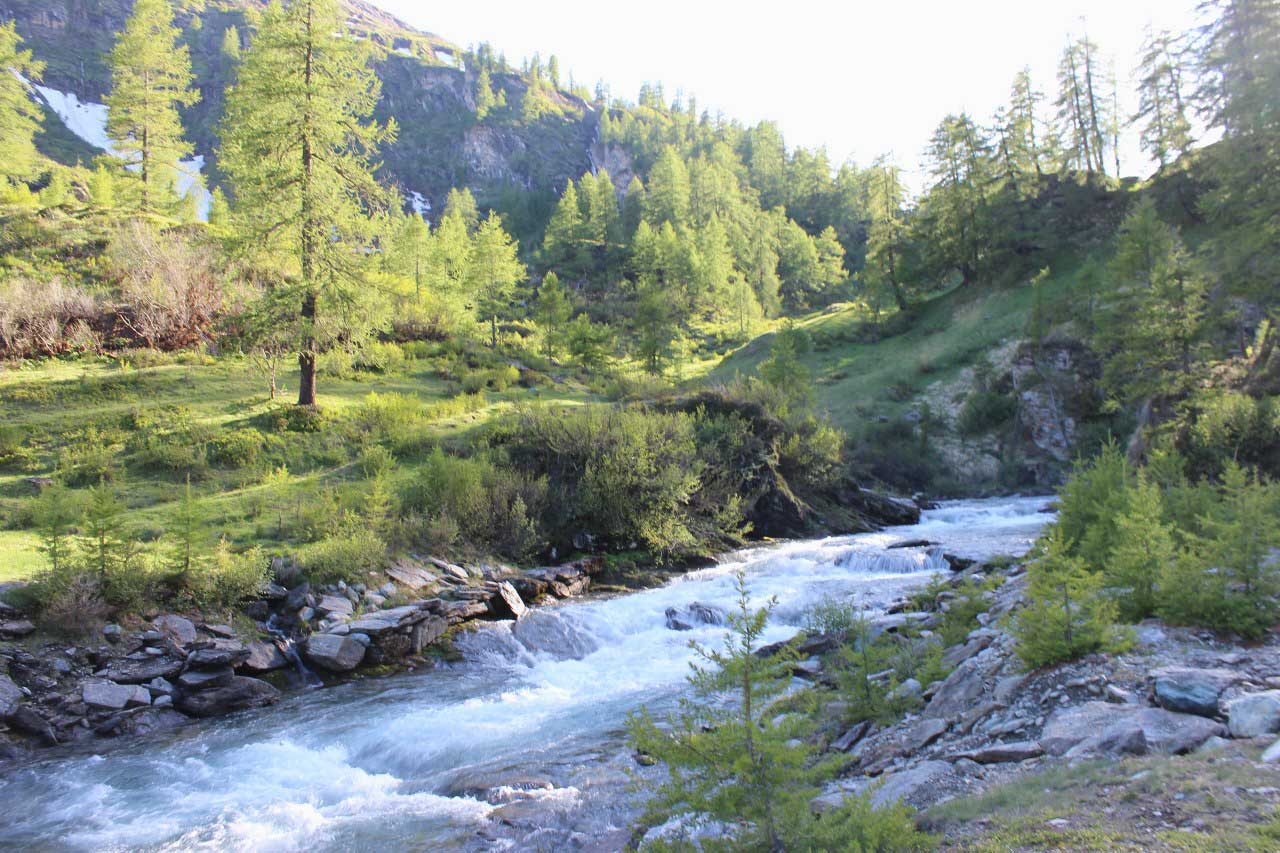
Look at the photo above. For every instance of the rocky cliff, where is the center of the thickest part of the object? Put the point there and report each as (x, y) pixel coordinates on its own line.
(441, 144)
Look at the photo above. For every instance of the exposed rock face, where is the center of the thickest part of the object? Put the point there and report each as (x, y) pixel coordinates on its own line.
(334, 653)
(907, 785)
(1053, 384)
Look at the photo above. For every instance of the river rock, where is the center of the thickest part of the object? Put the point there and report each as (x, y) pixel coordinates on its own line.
(696, 613)
(228, 654)
(1191, 691)
(205, 679)
(1001, 753)
(240, 694)
(334, 653)
(846, 741)
(264, 657)
(511, 600)
(1254, 714)
(924, 733)
(177, 628)
(1272, 754)
(961, 689)
(11, 696)
(1164, 731)
(113, 697)
(335, 605)
(112, 633)
(296, 598)
(409, 574)
(13, 628)
(140, 671)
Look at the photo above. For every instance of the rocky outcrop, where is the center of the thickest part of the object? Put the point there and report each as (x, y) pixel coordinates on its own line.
(1191, 691)
(1054, 385)
(1101, 726)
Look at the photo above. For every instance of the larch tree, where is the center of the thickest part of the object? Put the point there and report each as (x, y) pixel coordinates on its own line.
(955, 207)
(668, 190)
(20, 116)
(150, 81)
(493, 272)
(1165, 132)
(298, 149)
(1023, 129)
(551, 311)
(886, 196)
(1082, 111)
(485, 99)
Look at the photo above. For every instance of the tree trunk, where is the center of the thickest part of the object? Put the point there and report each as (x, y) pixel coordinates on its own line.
(307, 356)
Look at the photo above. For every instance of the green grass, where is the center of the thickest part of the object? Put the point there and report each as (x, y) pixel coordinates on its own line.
(858, 378)
(50, 401)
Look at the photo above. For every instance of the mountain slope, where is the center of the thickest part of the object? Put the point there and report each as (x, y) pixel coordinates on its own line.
(441, 144)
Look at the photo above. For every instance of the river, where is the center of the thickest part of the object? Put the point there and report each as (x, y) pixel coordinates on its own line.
(519, 747)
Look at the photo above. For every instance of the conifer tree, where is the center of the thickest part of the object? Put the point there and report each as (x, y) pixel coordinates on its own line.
(299, 150)
(231, 45)
(1026, 135)
(886, 196)
(105, 546)
(1144, 547)
(1067, 615)
(668, 190)
(1157, 314)
(633, 205)
(1162, 99)
(551, 311)
(150, 80)
(956, 207)
(560, 242)
(493, 272)
(1082, 110)
(56, 511)
(485, 100)
(461, 204)
(20, 116)
(187, 528)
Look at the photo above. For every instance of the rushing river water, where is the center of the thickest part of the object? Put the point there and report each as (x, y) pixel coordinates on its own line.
(519, 747)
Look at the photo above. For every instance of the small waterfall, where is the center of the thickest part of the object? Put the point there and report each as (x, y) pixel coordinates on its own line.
(897, 561)
(303, 675)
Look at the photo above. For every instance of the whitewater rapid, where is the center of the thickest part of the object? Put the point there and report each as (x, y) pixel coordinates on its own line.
(435, 760)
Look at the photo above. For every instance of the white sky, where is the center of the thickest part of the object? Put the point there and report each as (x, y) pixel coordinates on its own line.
(860, 77)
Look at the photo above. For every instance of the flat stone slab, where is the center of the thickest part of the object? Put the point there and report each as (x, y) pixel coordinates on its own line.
(334, 653)
(1164, 731)
(1001, 753)
(109, 696)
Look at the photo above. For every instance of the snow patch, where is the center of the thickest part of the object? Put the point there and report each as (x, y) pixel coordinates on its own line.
(88, 121)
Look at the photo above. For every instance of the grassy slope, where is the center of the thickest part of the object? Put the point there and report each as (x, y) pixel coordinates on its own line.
(56, 397)
(857, 379)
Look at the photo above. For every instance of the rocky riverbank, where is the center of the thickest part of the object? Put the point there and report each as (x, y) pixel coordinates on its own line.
(988, 723)
(159, 673)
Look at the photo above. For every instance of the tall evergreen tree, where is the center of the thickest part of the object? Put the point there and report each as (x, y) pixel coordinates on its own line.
(1157, 314)
(1024, 130)
(493, 272)
(564, 232)
(956, 210)
(886, 196)
(20, 116)
(485, 99)
(150, 80)
(1162, 102)
(1082, 110)
(668, 190)
(299, 150)
(552, 311)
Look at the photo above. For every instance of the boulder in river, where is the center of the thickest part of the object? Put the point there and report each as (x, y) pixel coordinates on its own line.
(697, 613)
(264, 656)
(177, 628)
(334, 653)
(240, 694)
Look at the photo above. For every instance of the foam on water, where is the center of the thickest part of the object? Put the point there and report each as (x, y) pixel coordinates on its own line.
(375, 762)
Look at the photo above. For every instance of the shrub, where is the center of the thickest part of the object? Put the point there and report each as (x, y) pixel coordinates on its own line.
(237, 448)
(1226, 426)
(626, 475)
(169, 283)
(72, 605)
(375, 461)
(986, 411)
(89, 457)
(379, 357)
(228, 578)
(1066, 614)
(1092, 500)
(1230, 580)
(349, 555)
(1144, 547)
